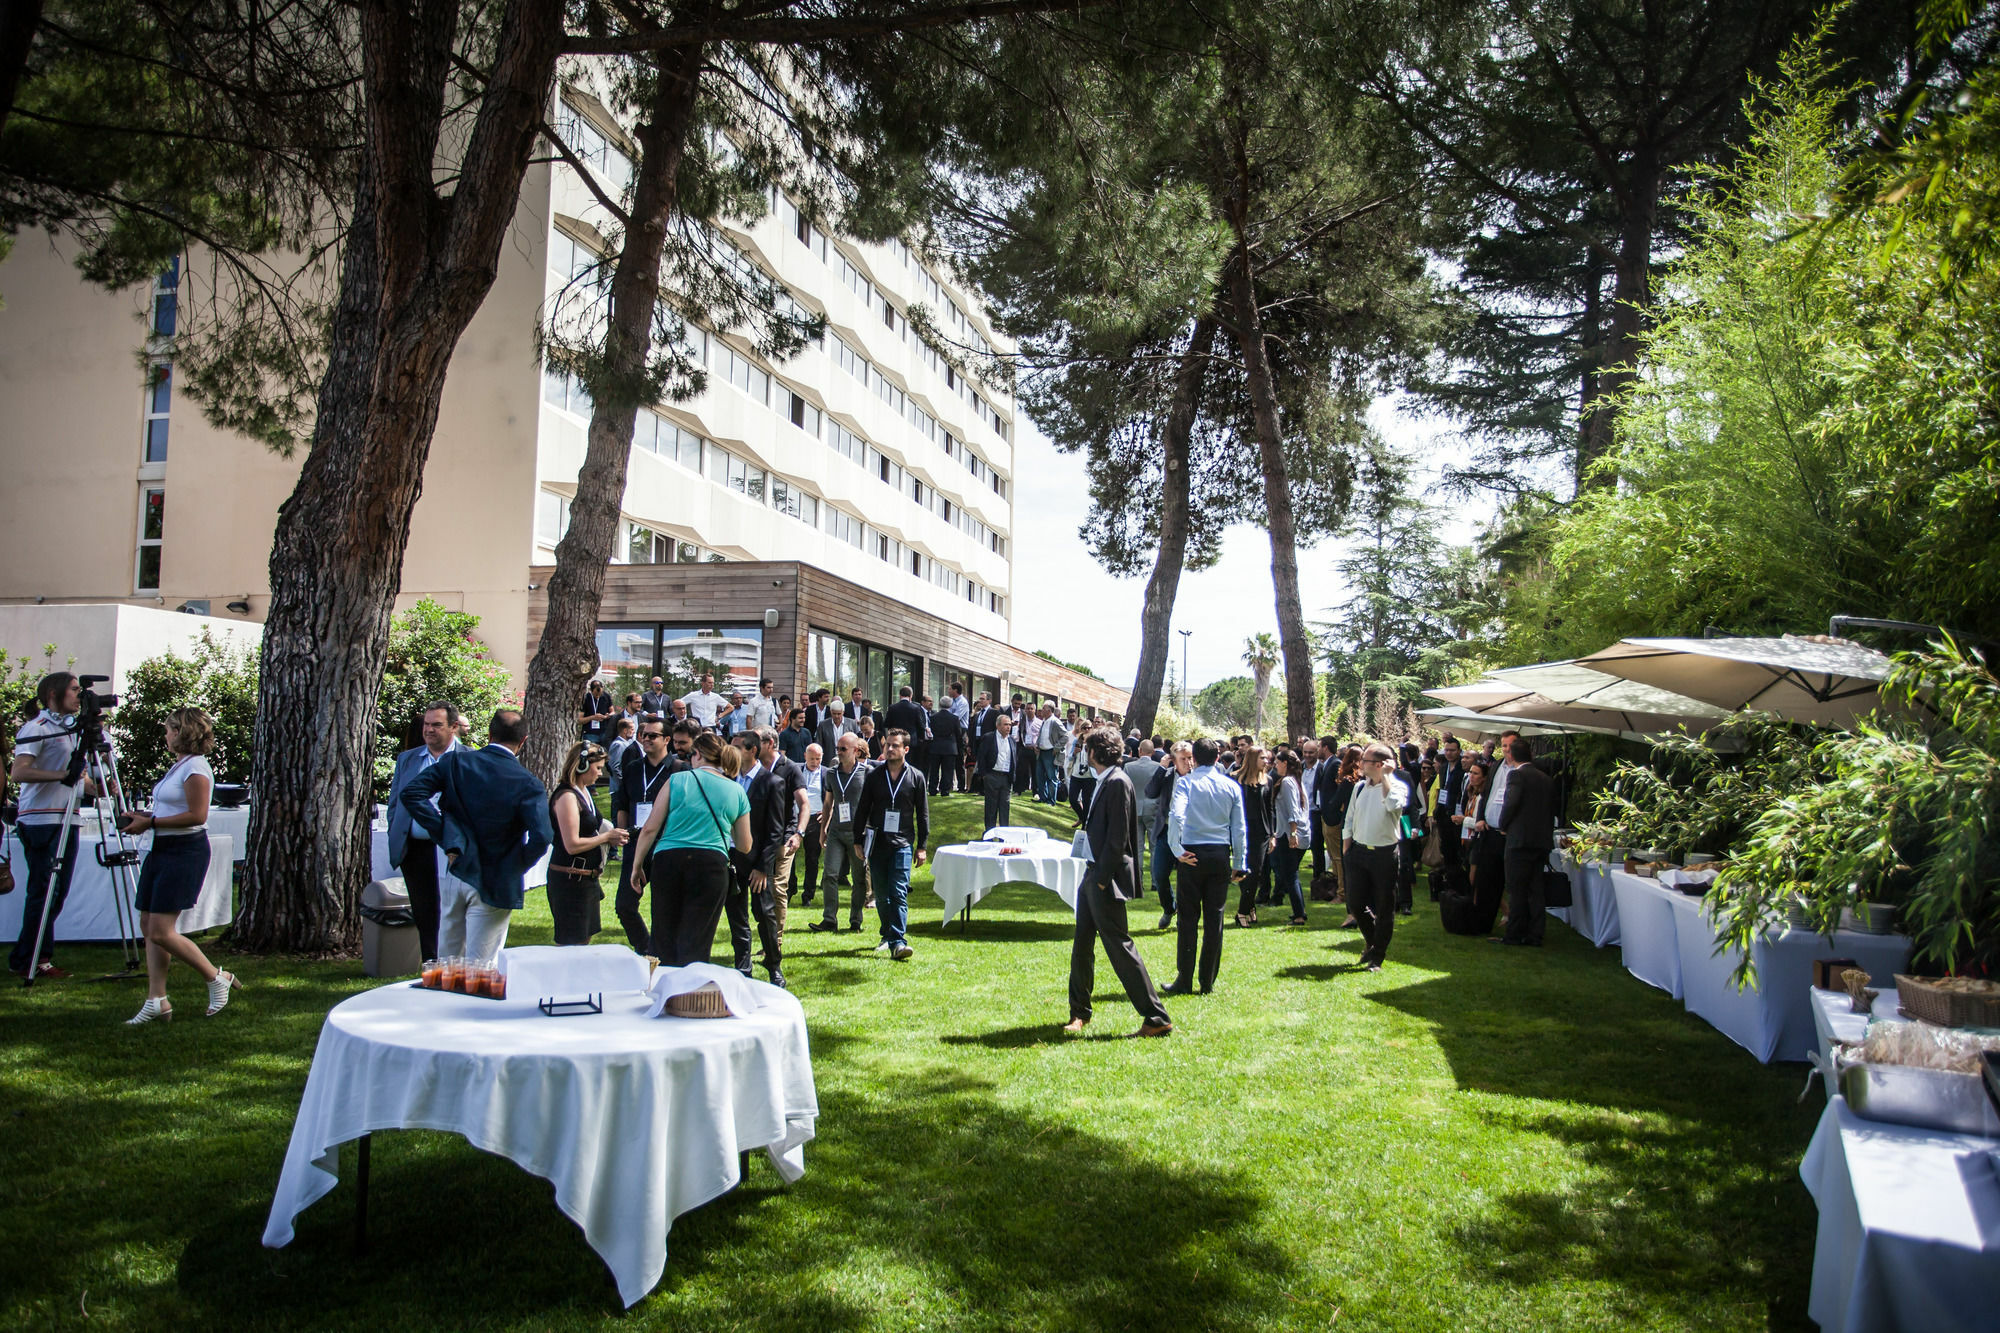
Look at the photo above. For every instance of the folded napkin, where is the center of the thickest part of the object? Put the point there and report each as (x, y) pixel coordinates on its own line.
(742, 995)
(1015, 833)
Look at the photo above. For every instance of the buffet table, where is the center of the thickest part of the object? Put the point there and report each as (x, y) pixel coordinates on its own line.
(1668, 941)
(964, 874)
(1834, 1020)
(635, 1120)
(1593, 909)
(91, 912)
(1909, 1227)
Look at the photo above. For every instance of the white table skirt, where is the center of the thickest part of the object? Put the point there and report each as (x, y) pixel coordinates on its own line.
(964, 874)
(1646, 934)
(1909, 1227)
(1593, 909)
(90, 912)
(635, 1120)
(1834, 1020)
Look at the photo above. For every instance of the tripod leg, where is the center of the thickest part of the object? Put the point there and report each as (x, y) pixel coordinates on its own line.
(62, 852)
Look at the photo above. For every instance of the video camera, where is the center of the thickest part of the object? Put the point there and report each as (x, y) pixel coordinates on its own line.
(89, 724)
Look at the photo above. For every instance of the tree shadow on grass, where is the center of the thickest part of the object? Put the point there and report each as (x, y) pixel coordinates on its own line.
(935, 1197)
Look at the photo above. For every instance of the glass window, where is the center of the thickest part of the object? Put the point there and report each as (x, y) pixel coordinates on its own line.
(159, 398)
(850, 665)
(822, 662)
(687, 553)
(625, 653)
(152, 529)
(733, 654)
(551, 517)
(875, 687)
(166, 299)
(904, 670)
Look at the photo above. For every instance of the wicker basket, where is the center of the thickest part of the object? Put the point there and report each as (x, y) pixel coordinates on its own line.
(703, 1002)
(1923, 997)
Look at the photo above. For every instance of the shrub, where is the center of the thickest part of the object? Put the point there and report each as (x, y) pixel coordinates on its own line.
(216, 677)
(433, 657)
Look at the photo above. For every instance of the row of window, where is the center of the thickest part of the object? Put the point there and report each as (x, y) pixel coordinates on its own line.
(657, 435)
(871, 377)
(594, 148)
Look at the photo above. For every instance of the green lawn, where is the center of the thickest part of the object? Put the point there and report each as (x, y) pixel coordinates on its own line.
(1476, 1138)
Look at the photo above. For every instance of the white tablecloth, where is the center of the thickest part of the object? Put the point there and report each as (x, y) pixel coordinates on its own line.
(89, 913)
(1593, 909)
(635, 1120)
(964, 874)
(1909, 1227)
(1668, 941)
(233, 825)
(1834, 1020)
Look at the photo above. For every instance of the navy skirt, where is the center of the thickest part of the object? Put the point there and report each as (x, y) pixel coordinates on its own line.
(171, 876)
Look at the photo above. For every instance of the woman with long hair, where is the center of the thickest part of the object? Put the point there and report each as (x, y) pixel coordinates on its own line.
(1333, 809)
(176, 867)
(577, 860)
(1485, 847)
(1256, 828)
(1293, 830)
(684, 850)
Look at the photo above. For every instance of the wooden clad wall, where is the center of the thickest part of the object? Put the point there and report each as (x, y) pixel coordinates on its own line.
(807, 598)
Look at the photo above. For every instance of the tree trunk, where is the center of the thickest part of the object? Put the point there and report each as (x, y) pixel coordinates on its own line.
(1157, 615)
(566, 654)
(18, 21)
(416, 268)
(1631, 311)
(1591, 354)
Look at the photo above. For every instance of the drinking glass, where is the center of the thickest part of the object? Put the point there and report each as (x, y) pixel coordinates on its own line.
(432, 973)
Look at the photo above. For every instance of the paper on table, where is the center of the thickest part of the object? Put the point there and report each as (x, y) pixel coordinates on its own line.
(541, 971)
(739, 993)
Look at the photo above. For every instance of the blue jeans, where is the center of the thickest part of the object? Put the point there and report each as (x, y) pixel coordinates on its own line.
(38, 841)
(889, 874)
(1045, 775)
(1163, 871)
(1284, 864)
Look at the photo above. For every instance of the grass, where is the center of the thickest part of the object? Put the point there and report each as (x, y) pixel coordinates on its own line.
(1476, 1138)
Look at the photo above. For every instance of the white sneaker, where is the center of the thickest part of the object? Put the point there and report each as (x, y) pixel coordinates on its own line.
(883, 947)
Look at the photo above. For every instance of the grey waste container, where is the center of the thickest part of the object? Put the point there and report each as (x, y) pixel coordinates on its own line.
(389, 944)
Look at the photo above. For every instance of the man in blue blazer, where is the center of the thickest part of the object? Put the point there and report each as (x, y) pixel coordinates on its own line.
(410, 847)
(492, 823)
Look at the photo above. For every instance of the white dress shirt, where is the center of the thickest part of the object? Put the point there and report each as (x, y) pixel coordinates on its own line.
(1498, 800)
(1375, 814)
(763, 711)
(702, 707)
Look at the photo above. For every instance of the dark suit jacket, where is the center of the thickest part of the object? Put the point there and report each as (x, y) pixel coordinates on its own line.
(1113, 830)
(947, 733)
(770, 821)
(911, 717)
(399, 818)
(827, 736)
(1450, 788)
(632, 779)
(989, 755)
(979, 727)
(493, 813)
(1528, 813)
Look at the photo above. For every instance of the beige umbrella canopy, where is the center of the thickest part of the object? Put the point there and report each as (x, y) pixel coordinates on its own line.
(1492, 724)
(1480, 695)
(1565, 693)
(1830, 682)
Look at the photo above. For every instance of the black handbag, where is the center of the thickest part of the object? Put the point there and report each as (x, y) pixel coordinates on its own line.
(1555, 889)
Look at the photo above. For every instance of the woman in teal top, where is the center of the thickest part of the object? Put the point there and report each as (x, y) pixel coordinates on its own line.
(684, 850)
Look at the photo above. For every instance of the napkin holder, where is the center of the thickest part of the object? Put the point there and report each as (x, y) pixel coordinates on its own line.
(555, 1008)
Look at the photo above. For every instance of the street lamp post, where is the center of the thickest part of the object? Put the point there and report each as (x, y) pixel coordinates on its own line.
(1185, 634)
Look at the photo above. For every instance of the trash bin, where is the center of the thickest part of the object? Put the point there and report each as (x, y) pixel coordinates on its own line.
(389, 943)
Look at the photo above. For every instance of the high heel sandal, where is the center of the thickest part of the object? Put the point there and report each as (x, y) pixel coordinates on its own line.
(155, 1007)
(218, 991)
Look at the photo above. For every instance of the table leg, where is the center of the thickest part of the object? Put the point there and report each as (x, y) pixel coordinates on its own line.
(361, 1195)
(965, 919)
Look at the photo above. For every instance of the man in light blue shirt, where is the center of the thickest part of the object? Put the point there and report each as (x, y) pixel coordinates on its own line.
(1208, 836)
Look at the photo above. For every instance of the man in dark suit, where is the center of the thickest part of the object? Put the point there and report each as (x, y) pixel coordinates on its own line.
(1450, 791)
(1003, 770)
(1110, 880)
(492, 823)
(947, 739)
(410, 848)
(909, 715)
(643, 775)
(1528, 818)
(757, 885)
(833, 725)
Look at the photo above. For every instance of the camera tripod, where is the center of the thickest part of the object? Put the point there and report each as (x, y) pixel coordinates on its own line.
(95, 760)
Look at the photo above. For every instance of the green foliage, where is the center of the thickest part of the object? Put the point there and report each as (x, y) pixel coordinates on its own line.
(17, 691)
(1907, 812)
(1230, 703)
(1077, 667)
(433, 657)
(215, 676)
(1689, 797)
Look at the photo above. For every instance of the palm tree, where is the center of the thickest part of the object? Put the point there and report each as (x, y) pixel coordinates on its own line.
(1260, 654)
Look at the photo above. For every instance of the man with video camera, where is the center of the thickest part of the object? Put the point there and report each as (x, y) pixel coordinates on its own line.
(43, 751)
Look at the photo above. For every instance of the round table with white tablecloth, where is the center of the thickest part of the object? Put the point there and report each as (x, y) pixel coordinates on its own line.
(635, 1120)
(964, 874)
(91, 910)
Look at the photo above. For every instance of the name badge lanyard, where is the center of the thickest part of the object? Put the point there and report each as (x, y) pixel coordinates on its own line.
(845, 813)
(892, 818)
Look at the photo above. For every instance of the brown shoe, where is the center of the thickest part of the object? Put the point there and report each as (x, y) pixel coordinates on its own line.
(1154, 1029)
(1076, 1025)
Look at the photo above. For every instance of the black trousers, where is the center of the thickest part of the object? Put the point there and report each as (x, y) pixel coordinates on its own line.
(49, 871)
(999, 794)
(1524, 893)
(806, 863)
(573, 903)
(420, 881)
(1318, 845)
(1079, 794)
(689, 886)
(1488, 873)
(945, 773)
(1372, 874)
(1406, 874)
(1255, 884)
(1101, 916)
(625, 904)
(743, 906)
(1203, 890)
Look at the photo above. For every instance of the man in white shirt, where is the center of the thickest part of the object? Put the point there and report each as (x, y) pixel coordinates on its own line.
(1051, 742)
(410, 847)
(42, 750)
(703, 704)
(1370, 838)
(814, 770)
(764, 708)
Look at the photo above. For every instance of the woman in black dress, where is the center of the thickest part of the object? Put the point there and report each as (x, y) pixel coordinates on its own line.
(1257, 812)
(582, 834)
(1485, 846)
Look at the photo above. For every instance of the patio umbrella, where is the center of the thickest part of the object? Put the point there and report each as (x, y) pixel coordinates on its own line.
(1480, 695)
(1492, 724)
(1828, 682)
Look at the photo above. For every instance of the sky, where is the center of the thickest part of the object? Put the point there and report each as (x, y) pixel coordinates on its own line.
(1066, 604)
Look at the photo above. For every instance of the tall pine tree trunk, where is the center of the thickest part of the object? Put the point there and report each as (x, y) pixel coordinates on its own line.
(1157, 615)
(415, 271)
(1631, 310)
(566, 654)
(1249, 328)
